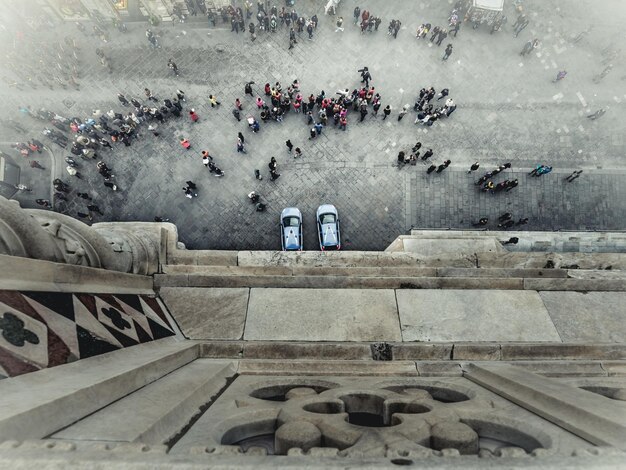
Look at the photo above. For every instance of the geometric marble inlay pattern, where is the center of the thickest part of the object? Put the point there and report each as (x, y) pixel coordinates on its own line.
(47, 329)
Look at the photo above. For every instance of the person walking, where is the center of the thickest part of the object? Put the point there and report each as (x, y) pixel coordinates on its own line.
(560, 76)
(544, 170)
(523, 221)
(573, 176)
(110, 185)
(511, 241)
(431, 168)
(339, 25)
(247, 88)
(443, 166)
(193, 115)
(94, 208)
(206, 158)
(474, 167)
(298, 153)
(173, 67)
(213, 101)
(505, 216)
(43, 202)
(427, 154)
(448, 52)
(149, 95)
(511, 184)
(403, 111)
(356, 14)
(597, 114)
(481, 222)
(185, 143)
(289, 145)
(535, 171)
(35, 164)
(240, 146)
(386, 112)
(506, 224)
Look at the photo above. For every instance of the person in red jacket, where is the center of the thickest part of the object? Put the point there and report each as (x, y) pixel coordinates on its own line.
(192, 114)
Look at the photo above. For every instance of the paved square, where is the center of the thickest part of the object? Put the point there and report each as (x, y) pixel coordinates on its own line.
(508, 110)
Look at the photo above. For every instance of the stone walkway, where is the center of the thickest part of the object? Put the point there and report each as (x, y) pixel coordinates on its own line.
(508, 111)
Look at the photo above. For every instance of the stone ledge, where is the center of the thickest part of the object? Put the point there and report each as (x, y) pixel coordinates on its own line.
(576, 284)
(316, 351)
(17, 273)
(346, 368)
(564, 351)
(421, 351)
(443, 352)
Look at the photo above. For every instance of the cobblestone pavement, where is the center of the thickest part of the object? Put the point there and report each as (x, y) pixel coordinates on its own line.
(508, 110)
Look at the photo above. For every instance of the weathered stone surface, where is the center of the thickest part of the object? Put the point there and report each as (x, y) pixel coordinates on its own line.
(439, 369)
(322, 315)
(585, 351)
(600, 422)
(476, 352)
(207, 313)
(356, 368)
(436, 246)
(317, 351)
(222, 349)
(588, 317)
(19, 273)
(576, 284)
(82, 387)
(159, 410)
(421, 351)
(301, 434)
(474, 315)
(452, 435)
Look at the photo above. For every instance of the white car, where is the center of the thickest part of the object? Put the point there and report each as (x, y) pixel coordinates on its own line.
(328, 227)
(291, 229)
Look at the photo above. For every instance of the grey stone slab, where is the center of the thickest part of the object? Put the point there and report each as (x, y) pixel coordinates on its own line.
(207, 313)
(588, 317)
(474, 315)
(322, 315)
(159, 410)
(430, 247)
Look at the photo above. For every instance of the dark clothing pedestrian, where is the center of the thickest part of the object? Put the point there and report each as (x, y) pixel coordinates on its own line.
(506, 224)
(443, 166)
(94, 208)
(574, 175)
(448, 52)
(427, 154)
(474, 167)
(482, 222)
(505, 216)
(511, 241)
(431, 168)
(386, 112)
(522, 221)
(289, 145)
(84, 196)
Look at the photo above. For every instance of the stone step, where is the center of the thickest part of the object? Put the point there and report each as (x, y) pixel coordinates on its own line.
(160, 410)
(387, 282)
(41, 403)
(368, 271)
